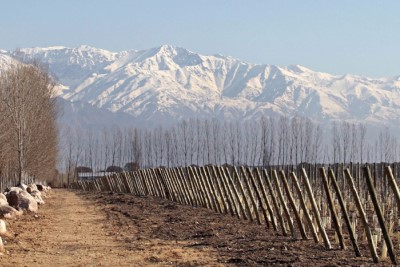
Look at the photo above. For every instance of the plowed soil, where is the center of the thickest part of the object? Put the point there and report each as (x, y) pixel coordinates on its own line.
(109, 229)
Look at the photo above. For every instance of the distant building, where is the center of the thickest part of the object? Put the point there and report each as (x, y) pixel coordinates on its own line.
(93, 175)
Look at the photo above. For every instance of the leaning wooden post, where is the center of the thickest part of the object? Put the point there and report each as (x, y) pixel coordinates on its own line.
(393, 185)
(362, 215)
(251, 197)
(246, 201)
(275, 202)
(107, 183)
(315, 209)
(239, 207)
(198, 187)
(218, 191)
(203, 183)
(153, 183)
(228, 203)
(183, 186)
(157, 182)
(211, 189)
(258, 195)
(293, 205)
(193, 184)
(133, 183)
(170, 179)
(126, 183)
(267, 203)
(332, 209)
(220, 188)
(304, 207)
(379, 214)
(233, 207)
(344, 212)
(283, 203)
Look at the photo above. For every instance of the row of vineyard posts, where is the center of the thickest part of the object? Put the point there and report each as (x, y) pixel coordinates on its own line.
(329, 205)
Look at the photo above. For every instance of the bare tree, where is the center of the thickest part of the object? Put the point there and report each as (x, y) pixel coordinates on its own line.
(28, 108)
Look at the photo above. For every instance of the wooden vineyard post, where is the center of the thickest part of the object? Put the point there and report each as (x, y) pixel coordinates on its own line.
(267, 203)
(188, 179)
(291, 202)
(220, 189)
(258, 194)
(303, 206)
(224, 208)
(182, 188)
(213, 191)
(207, 199)
(275, 202)
(113, 185)
(332, 209)
(126, 183)
(283, 203)
(315, 209)
(174, 181)
(110, 182)
(234, 209)
(155, 178)
(129, 181)
(100, 184)
(250, 192)
(149, 182)
(198, 186)
(229, 203)
(170, 193)
(144, 183)
(140, 183)
(393, 185)
(158, 183)
(117, 182)
(228, 177)
(345, 214)
(246, 201)
(379, 214)
(107, 182)
(210, 189)
(174, 178)
(362, 215)
(182, 185)
(134, 184)
(203, 189)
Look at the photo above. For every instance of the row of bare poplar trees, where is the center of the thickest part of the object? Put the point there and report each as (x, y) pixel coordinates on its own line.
(263, 142)
(28, 128)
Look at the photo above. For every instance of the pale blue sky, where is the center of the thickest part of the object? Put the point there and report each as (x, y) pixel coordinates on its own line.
(341, 36)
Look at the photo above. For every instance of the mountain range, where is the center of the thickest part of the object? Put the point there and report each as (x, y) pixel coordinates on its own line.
(165, 84)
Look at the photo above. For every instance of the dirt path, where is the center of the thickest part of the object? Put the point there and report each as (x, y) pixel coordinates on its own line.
(72, 231)
(111, 229)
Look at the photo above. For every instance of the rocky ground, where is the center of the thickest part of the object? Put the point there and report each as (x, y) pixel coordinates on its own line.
(108, 229)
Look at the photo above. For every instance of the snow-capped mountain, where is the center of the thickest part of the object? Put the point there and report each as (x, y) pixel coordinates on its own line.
(163, 84)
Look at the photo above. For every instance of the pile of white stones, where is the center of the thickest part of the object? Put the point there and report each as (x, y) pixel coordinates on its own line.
(18, 199)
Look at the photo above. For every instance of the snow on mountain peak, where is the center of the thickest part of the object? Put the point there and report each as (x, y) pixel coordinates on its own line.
(168, 82)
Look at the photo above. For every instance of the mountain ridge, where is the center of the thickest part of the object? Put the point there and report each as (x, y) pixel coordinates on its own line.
(168, 83)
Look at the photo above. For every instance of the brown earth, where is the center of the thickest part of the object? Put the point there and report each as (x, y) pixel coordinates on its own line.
(108, 229)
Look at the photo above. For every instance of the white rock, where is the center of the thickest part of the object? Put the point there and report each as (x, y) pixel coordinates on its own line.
(37, 195)
(3, 200)
(27, 202)
(3, 228)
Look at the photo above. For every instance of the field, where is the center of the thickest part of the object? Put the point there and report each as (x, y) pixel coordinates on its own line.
(323, 216)
(78, 228)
